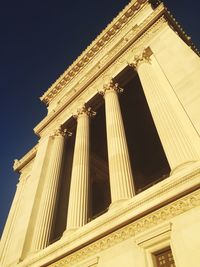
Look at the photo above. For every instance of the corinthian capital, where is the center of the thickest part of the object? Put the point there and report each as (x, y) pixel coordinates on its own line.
(84, 111)
(61, 132)
(111, 86)
(142, 58)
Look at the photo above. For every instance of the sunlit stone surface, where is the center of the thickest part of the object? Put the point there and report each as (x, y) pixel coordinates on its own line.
(120, 188)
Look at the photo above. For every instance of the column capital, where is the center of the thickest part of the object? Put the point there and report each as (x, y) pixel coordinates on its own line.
(142, 58)
(109, 87)
(60, 132)
(84, 111)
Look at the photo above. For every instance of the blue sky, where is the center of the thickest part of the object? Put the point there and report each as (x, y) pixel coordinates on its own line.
(38, 41)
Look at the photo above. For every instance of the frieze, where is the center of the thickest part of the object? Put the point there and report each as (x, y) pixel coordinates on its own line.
(143, 40)
(164, 214)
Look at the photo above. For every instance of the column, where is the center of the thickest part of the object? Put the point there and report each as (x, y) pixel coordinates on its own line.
(121, 180)
(44, 220)
(166, 111)
(79, 189)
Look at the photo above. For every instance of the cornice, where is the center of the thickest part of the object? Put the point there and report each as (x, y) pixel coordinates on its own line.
(153, 206)
(19, 164)
(93, 49)
(175, 25)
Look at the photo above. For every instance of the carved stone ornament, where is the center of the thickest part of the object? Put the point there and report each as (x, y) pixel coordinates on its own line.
(163, 214)
(84, 110)
(144, 57)
(61, 132)
(112, 86)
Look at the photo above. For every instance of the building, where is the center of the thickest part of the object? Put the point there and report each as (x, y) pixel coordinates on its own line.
(114, 179)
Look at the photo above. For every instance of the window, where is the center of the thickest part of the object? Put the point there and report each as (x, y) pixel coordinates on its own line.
(156, 245)
(164, 258)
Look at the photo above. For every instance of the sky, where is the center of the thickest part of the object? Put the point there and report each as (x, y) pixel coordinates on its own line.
(38, 41)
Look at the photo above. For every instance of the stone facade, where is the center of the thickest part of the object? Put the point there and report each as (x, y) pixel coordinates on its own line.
(115, 177)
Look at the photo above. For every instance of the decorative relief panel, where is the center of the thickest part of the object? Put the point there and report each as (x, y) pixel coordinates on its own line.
(155, 218)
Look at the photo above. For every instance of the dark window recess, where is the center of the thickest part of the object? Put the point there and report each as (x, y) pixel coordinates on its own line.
(148, 160)
(164, 258)
(99, 174)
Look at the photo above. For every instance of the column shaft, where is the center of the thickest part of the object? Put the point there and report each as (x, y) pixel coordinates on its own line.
(121, 180)
(79, 189)
(44, 221)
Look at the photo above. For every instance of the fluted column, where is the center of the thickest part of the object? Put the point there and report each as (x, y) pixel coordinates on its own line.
(166, 111)
(44, 221)
(79, 189)
(121, 180)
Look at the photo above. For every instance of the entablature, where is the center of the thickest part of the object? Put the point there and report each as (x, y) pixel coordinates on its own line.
(134, 28)
(92, 50)
(101, 73)
(114, 28)
(97, 63)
